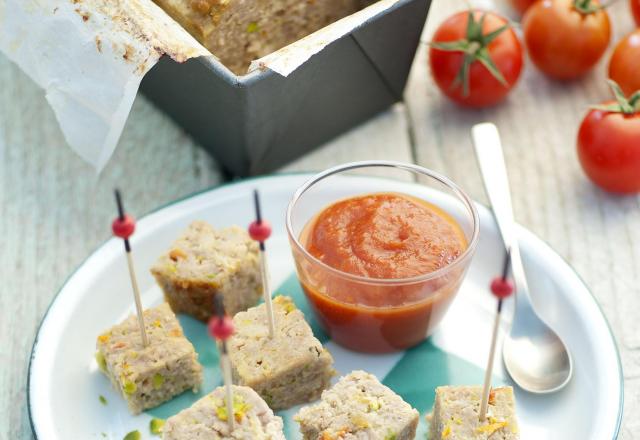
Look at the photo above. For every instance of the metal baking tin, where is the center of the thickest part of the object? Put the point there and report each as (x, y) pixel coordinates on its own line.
(255, 123)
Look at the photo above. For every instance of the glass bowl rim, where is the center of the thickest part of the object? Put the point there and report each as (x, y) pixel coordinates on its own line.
(416, 169)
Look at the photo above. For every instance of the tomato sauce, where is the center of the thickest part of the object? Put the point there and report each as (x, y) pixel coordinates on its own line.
(381, 237)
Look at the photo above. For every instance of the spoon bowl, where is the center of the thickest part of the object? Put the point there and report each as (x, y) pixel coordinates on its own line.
(534, 355)
(538, 363)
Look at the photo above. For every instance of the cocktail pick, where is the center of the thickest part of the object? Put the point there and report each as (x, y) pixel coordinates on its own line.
(260, 231)
(123, 226)
(501, 288)
(221, 329)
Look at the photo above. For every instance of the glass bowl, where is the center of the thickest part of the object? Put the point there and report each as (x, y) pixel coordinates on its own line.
(377, 314)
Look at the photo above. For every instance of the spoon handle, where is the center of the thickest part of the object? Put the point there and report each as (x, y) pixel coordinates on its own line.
(488, 147)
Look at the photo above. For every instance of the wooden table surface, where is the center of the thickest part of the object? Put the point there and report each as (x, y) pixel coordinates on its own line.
(53, 206)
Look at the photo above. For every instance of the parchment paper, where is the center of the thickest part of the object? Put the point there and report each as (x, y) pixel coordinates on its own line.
(289, 58)
(90, 56)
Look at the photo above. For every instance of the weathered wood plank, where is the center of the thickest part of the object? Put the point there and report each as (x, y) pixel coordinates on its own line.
(599, 234)
(54, 210)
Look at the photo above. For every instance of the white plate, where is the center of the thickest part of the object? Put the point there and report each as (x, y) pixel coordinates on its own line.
(64, 382)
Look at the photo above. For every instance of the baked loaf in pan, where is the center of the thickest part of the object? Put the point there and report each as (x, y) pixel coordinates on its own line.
(240, 31)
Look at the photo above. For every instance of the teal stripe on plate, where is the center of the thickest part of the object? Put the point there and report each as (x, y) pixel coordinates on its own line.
(414, 377)
(425, 367)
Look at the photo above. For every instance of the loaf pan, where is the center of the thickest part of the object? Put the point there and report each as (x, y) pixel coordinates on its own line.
(255, 123)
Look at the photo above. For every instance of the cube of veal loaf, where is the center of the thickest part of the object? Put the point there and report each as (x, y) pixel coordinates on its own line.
(204, 262)
(240, 31)
(456, 414)
(149, 376)
(358, 407)
(291, 368)
(207, 418)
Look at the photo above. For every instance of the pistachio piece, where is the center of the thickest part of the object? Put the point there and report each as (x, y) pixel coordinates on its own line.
(133, 435)
(158, 381)
(129, 387)
(374, 405)
(102, 363)
(221, 413)
(240, 408)
(155, 426)
(286, 304)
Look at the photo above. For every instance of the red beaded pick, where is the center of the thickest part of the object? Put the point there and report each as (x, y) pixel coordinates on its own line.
(260, 231)
(220, 329)
(124, 227)
(501, 287)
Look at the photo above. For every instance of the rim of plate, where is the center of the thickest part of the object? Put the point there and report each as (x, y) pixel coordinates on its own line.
(309, 176)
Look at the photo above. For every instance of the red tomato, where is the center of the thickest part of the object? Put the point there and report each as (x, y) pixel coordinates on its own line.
(635, 9)
(484, 88)
(609, 150)
(624, 67)
(522, 5)
(563, 42)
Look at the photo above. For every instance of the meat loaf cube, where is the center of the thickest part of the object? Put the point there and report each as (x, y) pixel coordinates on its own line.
(149, 376)
(240, 31)
(204, 262)
(207, 418)
(291, 368)
(456, 414)
(358, 407)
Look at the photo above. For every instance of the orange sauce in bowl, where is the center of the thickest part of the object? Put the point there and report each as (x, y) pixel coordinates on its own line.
(381, 237)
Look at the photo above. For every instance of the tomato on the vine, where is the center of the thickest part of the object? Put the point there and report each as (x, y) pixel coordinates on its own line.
(475, 58)
(635, 10)
(566, 38)
(609, 143)
(624, 66)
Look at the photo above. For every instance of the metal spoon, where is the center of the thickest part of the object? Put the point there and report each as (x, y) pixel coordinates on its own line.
(535, 356)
